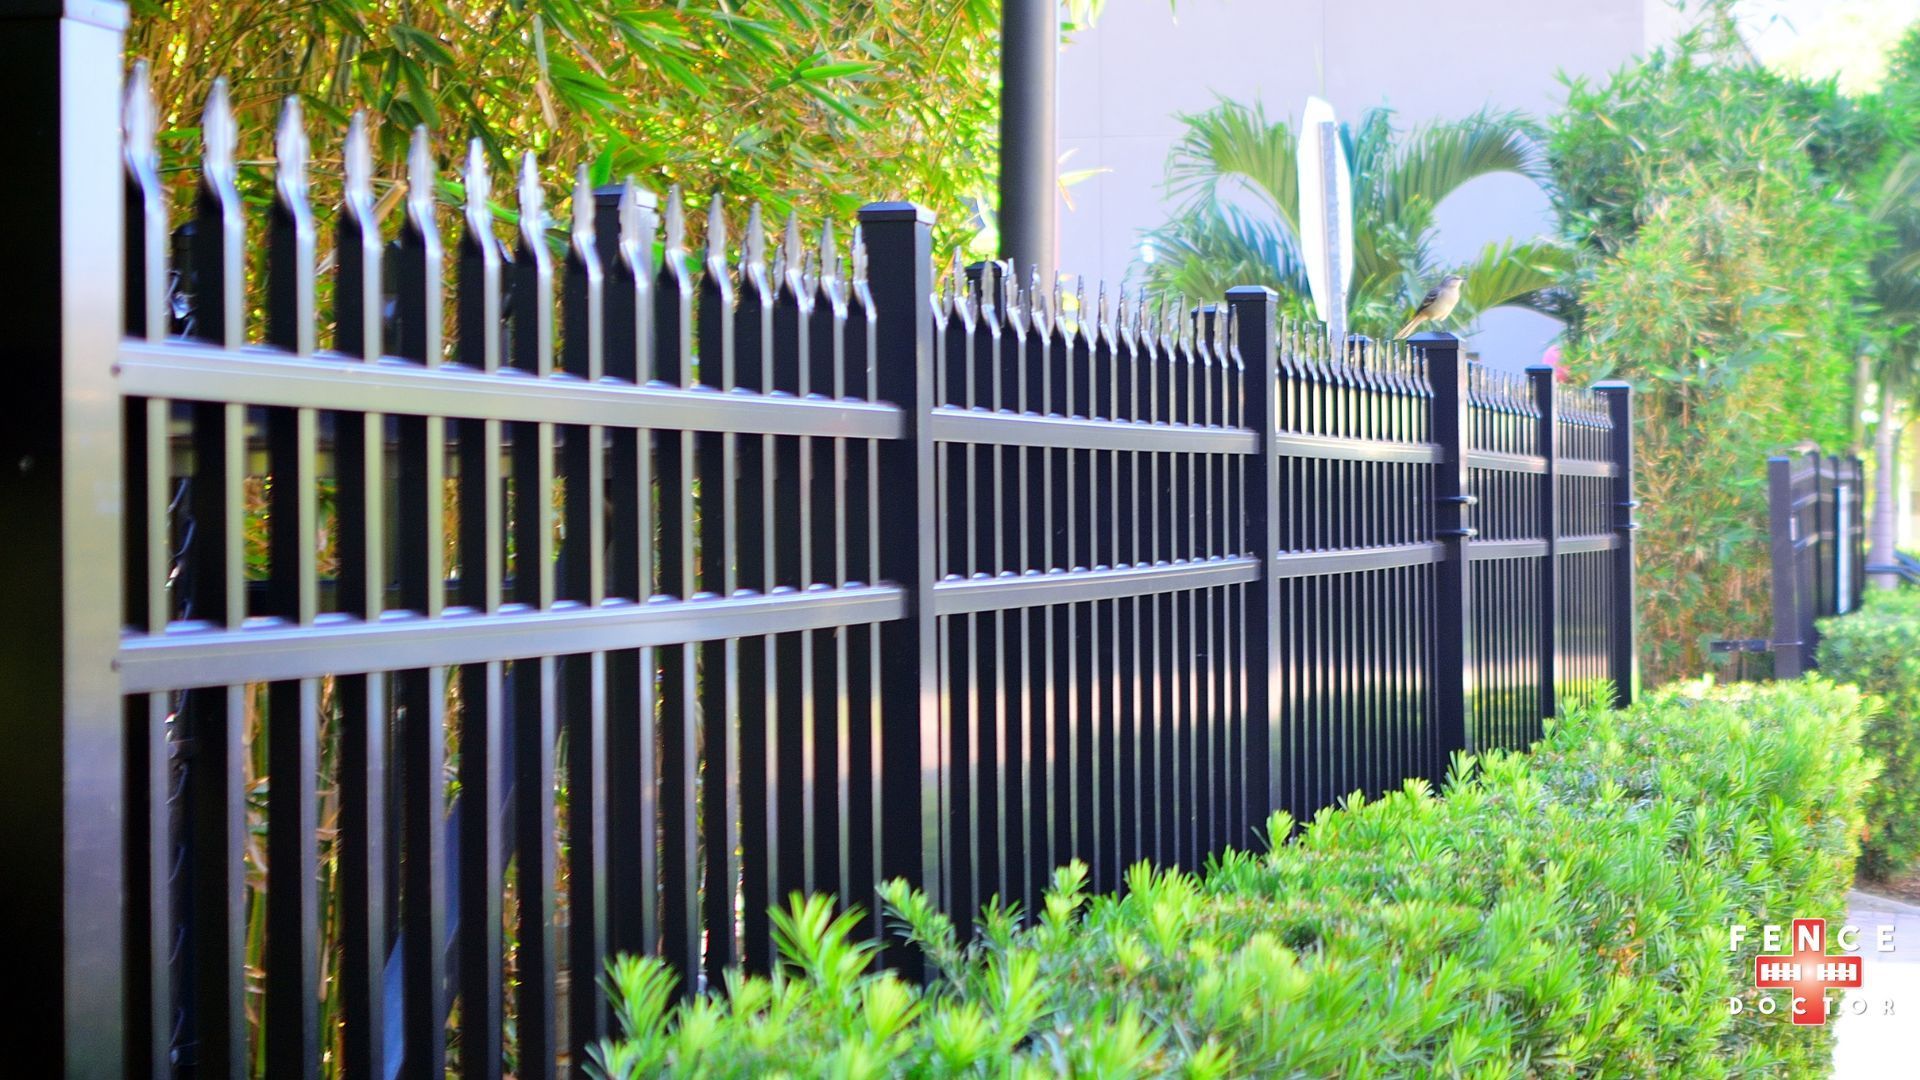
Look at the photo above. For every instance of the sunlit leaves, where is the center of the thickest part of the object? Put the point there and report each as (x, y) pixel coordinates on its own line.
(1724, 259)
(1563, 912)
(1878, 649)
(817, 104)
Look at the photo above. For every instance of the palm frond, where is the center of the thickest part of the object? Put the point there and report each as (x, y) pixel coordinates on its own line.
(1207, 255)
(1513, 274)
(1235, 143)
(1435, 160)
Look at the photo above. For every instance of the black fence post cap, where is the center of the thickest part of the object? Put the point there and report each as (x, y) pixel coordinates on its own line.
(896, 211)
(610, 194)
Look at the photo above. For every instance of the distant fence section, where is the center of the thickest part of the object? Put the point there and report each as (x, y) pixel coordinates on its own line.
(1817, 521)
(598, 603)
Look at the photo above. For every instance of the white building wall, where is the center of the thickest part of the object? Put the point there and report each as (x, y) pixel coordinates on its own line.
(1124, 83)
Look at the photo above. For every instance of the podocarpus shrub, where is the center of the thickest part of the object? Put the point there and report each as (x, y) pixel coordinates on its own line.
(1560, 913)
(1878, 650)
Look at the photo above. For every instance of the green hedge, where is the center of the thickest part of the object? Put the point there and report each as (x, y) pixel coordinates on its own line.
(1878, 650)
(1556, 914)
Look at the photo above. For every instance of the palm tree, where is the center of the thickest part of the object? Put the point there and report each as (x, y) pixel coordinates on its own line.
(1896, 353)
(1234, 172)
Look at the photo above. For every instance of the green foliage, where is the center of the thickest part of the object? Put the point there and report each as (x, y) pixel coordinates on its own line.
(824, 104)
(1724, 260)
(1235, 173)
(1878, 650)
(1563, 913)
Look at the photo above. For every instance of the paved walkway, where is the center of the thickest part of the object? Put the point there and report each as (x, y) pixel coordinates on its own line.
(1872, 1045)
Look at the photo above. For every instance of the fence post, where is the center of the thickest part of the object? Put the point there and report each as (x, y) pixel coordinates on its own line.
(1547, 441)
(1252, 307)
(899, 243)
(1622, 666)
(1857, 533)
(1782, 527)
(1453, 660)
(61, 782)
(1844, 494)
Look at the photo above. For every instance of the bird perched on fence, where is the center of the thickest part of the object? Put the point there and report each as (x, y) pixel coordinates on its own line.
(1437, 304)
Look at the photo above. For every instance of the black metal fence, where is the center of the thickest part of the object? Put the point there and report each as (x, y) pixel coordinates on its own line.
(660, 589)
(1816, 510)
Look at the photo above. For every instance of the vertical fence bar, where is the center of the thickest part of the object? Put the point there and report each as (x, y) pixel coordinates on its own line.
(1622, 665)
(1547, 445)
(673, 365)
(1453, 659)
(148, 558)
(625, 227)
(212, 577)
(534, 722)
(482, 823)
(421, 576)
(60, 433)
(359, 465)
(292, 1021)
(1253, 325)
(583, 557)
(715, 465)
(899, 240)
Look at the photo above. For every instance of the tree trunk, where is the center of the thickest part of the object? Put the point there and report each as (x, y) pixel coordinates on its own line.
(1881, 531)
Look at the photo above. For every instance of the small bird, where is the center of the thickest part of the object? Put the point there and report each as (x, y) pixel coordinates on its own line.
(1437, 304)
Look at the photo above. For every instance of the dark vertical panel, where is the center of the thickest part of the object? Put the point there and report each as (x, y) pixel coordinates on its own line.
(1547, 527)
(482, 544)
(293, 708)
(624, 229)
(1254, 341)
(586, 679)
(421, 576)
(719, 675)
(1453, 661)
(359, 468)
(899, 237)
(534, 724)
(214, 718)
(792, 704)
(753, 343)
(673, 365)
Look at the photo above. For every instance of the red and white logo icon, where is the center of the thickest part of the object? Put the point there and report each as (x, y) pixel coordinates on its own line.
(1808, 971)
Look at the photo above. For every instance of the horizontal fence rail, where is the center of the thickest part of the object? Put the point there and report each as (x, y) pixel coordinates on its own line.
(489, 609)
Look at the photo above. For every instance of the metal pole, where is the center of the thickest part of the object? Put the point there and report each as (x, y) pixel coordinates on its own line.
(1454, 672)
(1782, 522)
(1547, 441)
(899, 238)
(1029, 33)
(1253, 323)
(61, 779)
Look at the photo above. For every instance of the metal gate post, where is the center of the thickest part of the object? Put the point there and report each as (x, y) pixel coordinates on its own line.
(899, 242)
(61, 781)
(1453, 660)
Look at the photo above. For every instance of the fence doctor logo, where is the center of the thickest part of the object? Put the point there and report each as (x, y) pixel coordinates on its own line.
(1798, 960)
